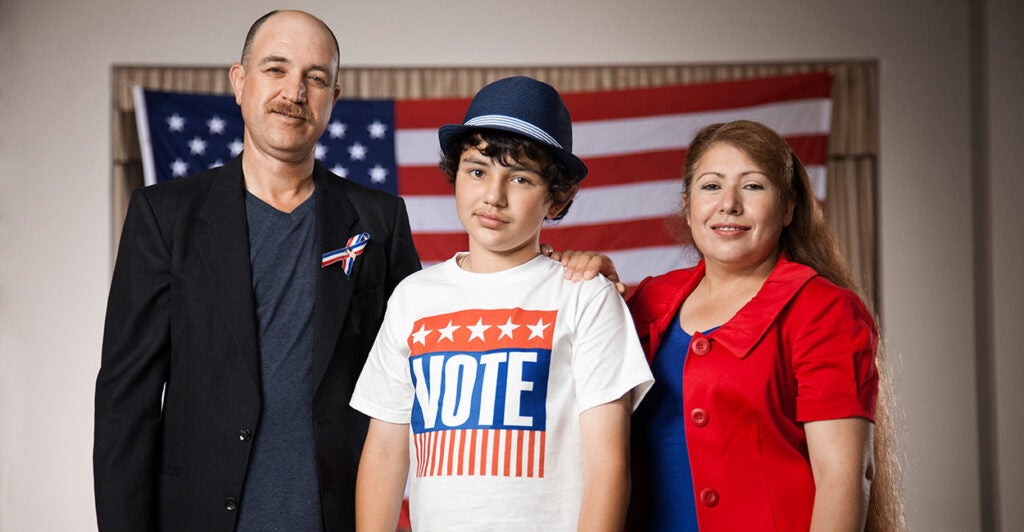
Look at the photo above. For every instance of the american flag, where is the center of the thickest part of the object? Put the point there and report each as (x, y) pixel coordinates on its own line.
(634, 142)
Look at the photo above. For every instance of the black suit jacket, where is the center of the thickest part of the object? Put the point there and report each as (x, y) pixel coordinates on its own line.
(178, 392)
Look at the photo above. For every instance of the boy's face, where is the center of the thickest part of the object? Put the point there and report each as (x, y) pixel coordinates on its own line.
(502, 209)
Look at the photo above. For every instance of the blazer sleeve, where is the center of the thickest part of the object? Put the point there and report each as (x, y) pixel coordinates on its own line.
(402, 257)
(135, 362)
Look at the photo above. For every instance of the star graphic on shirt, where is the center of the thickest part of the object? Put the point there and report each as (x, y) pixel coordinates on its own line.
(216, 125)
(197, 146)
(378, 174)
(537, 331)
(377, 129)
(420, 336)
(506, 330)
(336, 130)
(176, 122)
(216, 163)
(448, 331)
(477, 331)
(340, 170)
(357, 152)
(236, 147)
(179, 168)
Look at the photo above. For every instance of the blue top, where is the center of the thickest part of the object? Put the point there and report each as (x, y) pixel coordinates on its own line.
(282, 490)
(662, 438)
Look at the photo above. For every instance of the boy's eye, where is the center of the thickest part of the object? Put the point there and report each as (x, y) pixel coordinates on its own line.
(522, 180)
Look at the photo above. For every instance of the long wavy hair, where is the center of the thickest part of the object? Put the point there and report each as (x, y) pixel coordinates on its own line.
(809, 240)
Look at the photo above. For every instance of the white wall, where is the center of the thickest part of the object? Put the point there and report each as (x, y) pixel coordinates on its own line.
(55, 167)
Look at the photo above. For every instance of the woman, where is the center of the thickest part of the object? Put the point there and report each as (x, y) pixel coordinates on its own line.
(764, 356)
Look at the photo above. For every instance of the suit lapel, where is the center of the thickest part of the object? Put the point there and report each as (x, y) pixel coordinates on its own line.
(336, 222)
(222, 237)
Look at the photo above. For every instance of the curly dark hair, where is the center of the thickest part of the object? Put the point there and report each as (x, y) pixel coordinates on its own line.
(507, 148)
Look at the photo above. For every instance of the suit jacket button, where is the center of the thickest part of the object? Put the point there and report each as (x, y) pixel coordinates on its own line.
(709, 497)
(244, 435)
(699, 417)
(230, 504)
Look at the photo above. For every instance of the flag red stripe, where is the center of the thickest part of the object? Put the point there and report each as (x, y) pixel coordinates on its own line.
(695, 98)
(430, 114)
(530, 457)
(483, 451)
(437, 247)
(638, 102)
(423, 181)
(508, 452)
(494, 456)
(610, 170)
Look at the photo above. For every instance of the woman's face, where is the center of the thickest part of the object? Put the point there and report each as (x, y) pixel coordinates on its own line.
(736, 214)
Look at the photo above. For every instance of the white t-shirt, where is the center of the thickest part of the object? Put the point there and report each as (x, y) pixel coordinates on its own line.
(491, 372)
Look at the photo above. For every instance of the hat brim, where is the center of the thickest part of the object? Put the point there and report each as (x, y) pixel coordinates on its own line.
(575, 165)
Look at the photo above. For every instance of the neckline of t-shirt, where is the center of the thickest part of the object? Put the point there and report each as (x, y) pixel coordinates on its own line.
(513, 274)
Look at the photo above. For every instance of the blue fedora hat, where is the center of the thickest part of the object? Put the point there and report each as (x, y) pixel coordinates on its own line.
(524, 106)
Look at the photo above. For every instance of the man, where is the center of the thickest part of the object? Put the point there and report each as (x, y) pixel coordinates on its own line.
(243, 304)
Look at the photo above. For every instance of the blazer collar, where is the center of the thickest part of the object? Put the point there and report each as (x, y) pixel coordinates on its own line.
(222, 236)
(336, 223)
(741, 333)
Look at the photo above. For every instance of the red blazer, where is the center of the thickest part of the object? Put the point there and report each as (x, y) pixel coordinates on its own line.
(801, 350)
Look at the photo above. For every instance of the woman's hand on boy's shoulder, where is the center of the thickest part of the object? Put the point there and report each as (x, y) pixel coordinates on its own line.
(585, 265)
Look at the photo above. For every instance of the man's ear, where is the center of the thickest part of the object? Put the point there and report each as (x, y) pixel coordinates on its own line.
(237, 76)
(556, 208)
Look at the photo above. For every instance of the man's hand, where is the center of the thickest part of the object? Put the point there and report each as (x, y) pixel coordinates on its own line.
(585, 265)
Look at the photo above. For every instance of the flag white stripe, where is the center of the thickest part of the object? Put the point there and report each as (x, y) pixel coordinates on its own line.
(597, 205)
(634, 265)
(598, 138)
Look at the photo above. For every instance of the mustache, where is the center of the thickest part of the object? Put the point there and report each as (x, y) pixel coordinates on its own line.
(289, 109)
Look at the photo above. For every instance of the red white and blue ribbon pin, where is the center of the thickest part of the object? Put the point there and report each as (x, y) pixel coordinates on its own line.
(347, 255)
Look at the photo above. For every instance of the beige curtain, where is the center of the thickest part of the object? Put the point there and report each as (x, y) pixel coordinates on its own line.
(852, 167)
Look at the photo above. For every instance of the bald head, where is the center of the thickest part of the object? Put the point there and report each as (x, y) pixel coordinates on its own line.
(255, 28)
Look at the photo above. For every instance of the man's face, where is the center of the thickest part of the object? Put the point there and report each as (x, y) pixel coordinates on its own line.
(287, 87)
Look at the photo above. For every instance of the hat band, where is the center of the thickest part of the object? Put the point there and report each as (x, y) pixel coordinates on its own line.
(514, 124)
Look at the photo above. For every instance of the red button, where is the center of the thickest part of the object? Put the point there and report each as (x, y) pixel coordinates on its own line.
(709, 497)
(699, 417)
(701, 346)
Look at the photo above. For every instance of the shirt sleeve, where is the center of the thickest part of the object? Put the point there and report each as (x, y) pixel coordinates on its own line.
(384, 390)
(607, 358)
(834, 357)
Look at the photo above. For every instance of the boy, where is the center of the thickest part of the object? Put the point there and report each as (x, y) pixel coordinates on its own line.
(506, 388)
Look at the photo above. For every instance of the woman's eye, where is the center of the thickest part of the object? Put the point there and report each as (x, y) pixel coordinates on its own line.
(709, 186)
